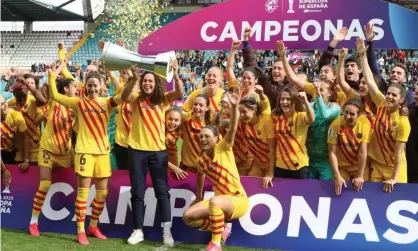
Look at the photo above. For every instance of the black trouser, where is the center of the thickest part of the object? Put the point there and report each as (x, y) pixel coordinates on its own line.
(8, 157)
(291, 174)
(157, 163)
(122, 156)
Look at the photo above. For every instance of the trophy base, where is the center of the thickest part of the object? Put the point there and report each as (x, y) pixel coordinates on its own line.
(6, 190)
(290, 11)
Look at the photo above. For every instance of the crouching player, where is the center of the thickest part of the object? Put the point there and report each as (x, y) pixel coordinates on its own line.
(218, 163)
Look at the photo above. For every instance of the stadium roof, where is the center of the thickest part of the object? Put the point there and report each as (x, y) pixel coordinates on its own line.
(32, 10)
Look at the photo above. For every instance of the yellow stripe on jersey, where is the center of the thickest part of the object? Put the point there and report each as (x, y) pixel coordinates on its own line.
(123, 124)
(148, 125)
(291, 135)
(92, 118)
(191, 147)
(13, 124)
(388, 129)
(222, 170)
(56, 137)
(348, 140)
(171, 144)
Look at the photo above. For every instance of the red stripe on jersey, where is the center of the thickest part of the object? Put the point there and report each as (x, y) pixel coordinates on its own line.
(55, 129)
(144, 119)
(101, 121)
(213, 103)
(153, 122)
(191, 139)
(88, 125)
(95, 122)
(378, 134)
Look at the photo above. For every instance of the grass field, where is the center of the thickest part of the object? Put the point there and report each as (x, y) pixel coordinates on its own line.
(18, 240)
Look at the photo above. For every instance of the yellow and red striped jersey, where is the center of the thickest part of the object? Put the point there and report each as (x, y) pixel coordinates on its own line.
(171, 144)
(92, 117)
(191, 143)
(348, 140)
(291, 139)
(29, 111)
(56, 137)
(388, 129)
(148, 124)
(213, 100)
(256, 137)
(222, 170)
(10, 127)
(123, 123)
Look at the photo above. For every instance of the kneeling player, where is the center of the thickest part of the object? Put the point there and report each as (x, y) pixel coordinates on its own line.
(56, 149)
(218, 163)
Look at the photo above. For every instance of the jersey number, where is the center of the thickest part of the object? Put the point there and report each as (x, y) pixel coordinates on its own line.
(82, 160)
(46, 155)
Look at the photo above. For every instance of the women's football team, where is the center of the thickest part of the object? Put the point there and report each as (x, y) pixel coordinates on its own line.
(347, 134)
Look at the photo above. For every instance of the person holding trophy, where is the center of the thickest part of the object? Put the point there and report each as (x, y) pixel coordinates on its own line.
(147, 137)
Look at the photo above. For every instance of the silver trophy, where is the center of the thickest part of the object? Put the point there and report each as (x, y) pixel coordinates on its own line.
(7, 187)
(291, 7)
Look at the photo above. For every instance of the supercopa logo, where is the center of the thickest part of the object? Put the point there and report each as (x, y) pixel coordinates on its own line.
(271, 5)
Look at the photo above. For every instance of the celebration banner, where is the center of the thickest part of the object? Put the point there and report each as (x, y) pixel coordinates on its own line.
(293, 215)
(302, 24)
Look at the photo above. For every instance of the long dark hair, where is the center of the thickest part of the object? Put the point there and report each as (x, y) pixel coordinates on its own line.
(208, 112)
(157, 97)
(62, 83)
(298, 106)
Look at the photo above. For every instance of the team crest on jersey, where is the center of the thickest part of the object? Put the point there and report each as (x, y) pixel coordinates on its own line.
(258, 132)
(290, 124)
(394, 123)
(82, 168)
(359, 135)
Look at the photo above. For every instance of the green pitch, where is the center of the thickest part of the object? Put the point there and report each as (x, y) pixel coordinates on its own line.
(18, 240)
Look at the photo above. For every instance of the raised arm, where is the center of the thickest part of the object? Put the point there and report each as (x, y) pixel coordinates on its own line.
(178, 85)
(230, 75)
(247, 50)
(233, 124)
(310, 115)
(371, 57)
(61, 58)
(367, 72)
(69, 102)
(291, 75)
(328, 113)
(328, 54)
(127, 89)
(345, 87)
(40, 99)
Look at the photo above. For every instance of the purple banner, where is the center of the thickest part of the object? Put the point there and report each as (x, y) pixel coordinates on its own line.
(293, 215)
(302, 24)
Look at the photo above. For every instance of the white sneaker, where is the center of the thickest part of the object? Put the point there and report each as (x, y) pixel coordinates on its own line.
(136, 237)
(168, 239)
